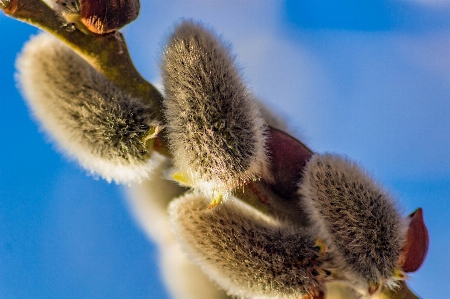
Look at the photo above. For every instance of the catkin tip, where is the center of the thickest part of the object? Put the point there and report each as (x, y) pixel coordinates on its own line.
(214, 127)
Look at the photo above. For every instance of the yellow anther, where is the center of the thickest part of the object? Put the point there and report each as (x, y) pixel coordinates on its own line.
(215, 201)
(182, 178)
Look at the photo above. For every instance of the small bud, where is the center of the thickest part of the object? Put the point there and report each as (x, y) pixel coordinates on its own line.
(99, 16)
(287, 158)
(416, 246)
(103, 16)
(358, 216)
(109, 132)
(248, 254)
(215, 130)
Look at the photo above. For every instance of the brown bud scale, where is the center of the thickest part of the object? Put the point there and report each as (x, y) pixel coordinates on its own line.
(104, 16)
(417, 240)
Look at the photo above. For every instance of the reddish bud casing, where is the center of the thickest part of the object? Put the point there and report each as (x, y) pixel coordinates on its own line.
(105, 16)
(417, 240)
(288, 158)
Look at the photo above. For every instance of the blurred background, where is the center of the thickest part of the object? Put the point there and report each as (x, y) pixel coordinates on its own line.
(368, 79)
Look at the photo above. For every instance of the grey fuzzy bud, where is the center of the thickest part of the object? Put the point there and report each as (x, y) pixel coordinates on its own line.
(357, 215)
(108, 131)
(247, 253)
(215, 129)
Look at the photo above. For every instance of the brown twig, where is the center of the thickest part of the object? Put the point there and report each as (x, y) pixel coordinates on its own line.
(108, 54)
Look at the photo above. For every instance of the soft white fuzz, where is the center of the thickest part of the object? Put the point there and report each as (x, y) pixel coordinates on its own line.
(246, 253)
(359, 217)
(184, 279)
(106, 130)
(215, 130)
(272, 118)
(148, 202)
(149, 199)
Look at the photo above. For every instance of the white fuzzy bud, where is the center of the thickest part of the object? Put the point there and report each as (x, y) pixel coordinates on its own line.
(356, 214)
(215, 130)
(248, 254)
(105, 129)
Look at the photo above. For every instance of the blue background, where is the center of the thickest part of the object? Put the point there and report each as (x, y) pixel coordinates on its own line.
(369, 79)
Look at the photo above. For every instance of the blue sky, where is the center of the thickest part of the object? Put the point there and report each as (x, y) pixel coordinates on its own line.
(369, 79)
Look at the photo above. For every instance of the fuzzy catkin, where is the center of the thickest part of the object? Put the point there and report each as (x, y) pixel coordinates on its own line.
(247, 254)
(359, 217)
(105, 129)
(215, 130)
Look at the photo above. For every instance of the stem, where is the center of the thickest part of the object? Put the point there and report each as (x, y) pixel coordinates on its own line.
(108, 54)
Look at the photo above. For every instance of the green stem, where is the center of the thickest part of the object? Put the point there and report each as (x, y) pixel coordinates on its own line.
(108, 53)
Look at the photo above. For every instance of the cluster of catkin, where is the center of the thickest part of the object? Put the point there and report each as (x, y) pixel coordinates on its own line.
(343, 234)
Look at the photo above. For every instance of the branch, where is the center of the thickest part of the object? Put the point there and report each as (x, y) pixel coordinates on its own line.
(108, 54)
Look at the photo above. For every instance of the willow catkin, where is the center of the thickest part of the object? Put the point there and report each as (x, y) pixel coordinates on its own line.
(359, 217)
(215, 130)
(249, 255)
(92, 120)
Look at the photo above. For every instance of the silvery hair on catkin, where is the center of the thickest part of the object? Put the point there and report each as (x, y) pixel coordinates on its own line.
(216, 132)
(91, 119)
(248, 254)
(356, 214)
(148, 201)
